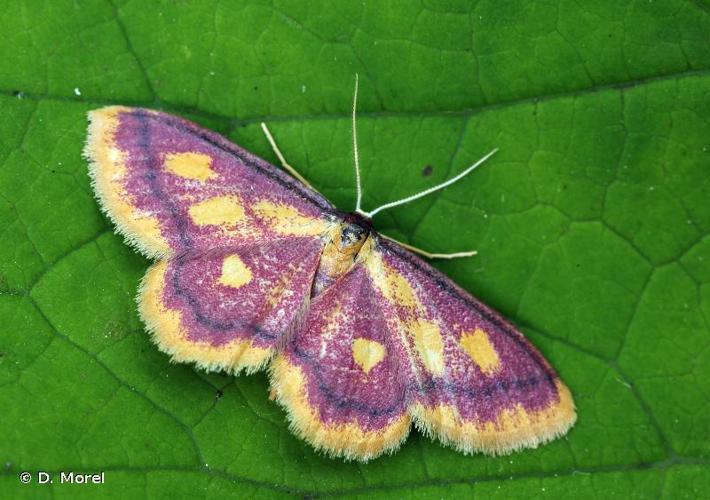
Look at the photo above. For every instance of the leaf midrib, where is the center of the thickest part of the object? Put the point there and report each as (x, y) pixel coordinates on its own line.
(466, 112)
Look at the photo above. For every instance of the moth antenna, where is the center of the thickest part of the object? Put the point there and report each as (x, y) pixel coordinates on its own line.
(356, 155)
(281, 158)
(431, 255)
(432, 189)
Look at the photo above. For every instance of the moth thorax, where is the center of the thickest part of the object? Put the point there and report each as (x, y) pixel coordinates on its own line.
(349, 239)
(345, 242)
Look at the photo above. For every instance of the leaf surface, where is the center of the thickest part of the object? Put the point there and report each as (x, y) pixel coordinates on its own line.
(592, 225)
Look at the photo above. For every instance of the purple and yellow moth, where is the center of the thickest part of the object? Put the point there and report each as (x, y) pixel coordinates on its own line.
(361, 338)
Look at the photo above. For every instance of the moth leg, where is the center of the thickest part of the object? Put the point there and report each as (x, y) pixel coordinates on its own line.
(283, 161)
(430, 255)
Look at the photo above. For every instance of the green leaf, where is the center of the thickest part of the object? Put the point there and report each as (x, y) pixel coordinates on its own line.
(592, 225)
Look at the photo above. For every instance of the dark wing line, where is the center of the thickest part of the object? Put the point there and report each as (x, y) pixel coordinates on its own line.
(445, 283)
(428, 386)
(245, 157)
(326, 390)
(152, 177)
(205, 319)
(194, 303)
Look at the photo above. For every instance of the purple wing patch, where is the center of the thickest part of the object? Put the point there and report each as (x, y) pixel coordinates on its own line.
(228, 309)
(480, 385)
(340, 376)
(172, 187)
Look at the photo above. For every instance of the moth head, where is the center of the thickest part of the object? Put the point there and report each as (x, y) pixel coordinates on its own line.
(354, 229)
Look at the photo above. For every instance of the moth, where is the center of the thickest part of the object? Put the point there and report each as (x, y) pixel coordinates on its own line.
(362, 338)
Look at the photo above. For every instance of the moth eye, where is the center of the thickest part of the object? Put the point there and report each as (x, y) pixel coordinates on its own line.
(195, 166)
(350, 235)
(479, 348)
(368, 353)
(235, 273)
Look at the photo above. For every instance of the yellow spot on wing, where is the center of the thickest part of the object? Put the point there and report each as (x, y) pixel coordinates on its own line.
(368, 353)
(392, 284)
(429, 344)
(195, 166)
(478, 346)
(235, 273)
(217, 210)
(285, 219)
